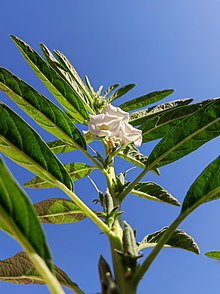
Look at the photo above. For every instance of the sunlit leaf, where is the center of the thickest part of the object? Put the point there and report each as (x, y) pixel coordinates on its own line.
(205, 188)
(65, 69)
(131, 154)
(58, 211)
(77, 170)
(179, 239)
(22, 144)
(145, 100)
(110, 89)
(152, 191)
(213, 254)
(55, 84)
(43, 111)
(58, 146)
(158, 125)
(191, 133)
(120, 92)
(20, 270)
(140, 117)
(18, 215)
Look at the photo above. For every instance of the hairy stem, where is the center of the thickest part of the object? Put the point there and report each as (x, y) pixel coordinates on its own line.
(102, 226)
(132, 185)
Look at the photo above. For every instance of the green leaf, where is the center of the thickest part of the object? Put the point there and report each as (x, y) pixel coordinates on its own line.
(213, 254)
(158, 125)
(145, 100)
(17, 213)
(20, 270)
(43, 111)
(22, 144)
(140, 117)
(120, 92)
(133, 155)
(110, 89)
(58, 146)
(77, 170)
(65, 69)
(205, 188)
(191, 133)
(55, 84)
(90, 88)
(58, 211)
(179, 239)
(152, 191)
(68, 67)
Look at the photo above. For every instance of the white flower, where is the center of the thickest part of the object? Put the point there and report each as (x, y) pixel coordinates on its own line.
(114, 124)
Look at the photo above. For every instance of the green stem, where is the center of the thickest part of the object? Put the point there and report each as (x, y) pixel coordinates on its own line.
(102, 226)
(148, 261)
(49, 279)
(115, 153)
(132, 185)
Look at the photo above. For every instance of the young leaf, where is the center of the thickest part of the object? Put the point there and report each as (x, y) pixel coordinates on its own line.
(133, 155)
(145, 100)
(22, 144)
(43, 111)
(140, 117)
(152, 191)
(205, 188)
(20, 270)
(68, 67)
(110, 89)
(58, 211)
(63, 67)
(158, 125)
(17, 213)
(191, 133)
(120, 92)
(77, 170)
(213, 254)
(179, 239)
(55, 84)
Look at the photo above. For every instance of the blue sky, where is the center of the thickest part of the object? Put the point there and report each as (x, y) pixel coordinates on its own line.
(156, 45)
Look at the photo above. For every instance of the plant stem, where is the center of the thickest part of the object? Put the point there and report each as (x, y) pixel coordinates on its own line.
(132, 185)
(148, 261)
(102, 226)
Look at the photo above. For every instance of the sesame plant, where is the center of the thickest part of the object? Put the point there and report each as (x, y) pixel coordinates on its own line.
(180, 126)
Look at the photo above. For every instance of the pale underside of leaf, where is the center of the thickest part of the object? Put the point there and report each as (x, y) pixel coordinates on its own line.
(179, 239)
(58, 211)
(139, 117)
(20, 270)
(131, 154)
(152, 191)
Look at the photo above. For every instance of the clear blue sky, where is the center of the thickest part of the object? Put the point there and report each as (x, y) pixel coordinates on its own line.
(156, 45)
